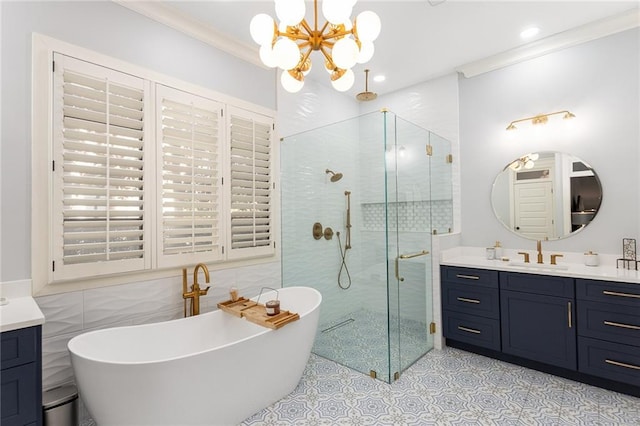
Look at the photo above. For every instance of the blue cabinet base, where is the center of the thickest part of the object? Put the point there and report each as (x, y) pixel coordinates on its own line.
(21, 377)
(550, 369)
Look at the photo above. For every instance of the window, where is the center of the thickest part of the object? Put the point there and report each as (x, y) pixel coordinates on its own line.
(136, 172)
(251, 186)
(99, 182)
(190, 134)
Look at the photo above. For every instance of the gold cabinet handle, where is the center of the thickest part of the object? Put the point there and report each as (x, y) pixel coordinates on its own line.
(411, 256)
(469, 330)
(617, 324)
(468, 277)
(622, 364)
(569, 313)
(464, 299)
(615, 293)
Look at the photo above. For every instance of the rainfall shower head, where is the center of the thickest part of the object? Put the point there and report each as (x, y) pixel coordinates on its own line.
(366, 95)
(334, 176)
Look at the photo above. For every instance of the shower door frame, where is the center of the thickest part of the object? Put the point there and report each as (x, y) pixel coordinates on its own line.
(404, 254)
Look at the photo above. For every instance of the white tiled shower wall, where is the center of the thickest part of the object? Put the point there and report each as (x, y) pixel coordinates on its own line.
(70, 314)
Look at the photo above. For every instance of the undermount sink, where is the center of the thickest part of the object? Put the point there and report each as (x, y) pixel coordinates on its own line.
(539, 266)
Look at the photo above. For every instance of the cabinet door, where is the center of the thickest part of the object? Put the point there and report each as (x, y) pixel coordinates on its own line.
(19, 389)
(539, 327)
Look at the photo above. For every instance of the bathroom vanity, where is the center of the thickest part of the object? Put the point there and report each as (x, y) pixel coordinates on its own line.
(580, 324)
(21, 362)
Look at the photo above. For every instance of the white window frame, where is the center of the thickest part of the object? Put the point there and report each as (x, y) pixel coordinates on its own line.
(43, 282)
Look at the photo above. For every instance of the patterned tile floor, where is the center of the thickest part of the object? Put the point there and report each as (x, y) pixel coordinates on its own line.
(448, 387)
(359, 340)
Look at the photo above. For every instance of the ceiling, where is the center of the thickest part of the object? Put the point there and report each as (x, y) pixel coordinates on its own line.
(420, 39)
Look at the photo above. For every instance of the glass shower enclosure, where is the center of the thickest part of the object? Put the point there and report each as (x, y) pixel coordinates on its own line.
(361, 200)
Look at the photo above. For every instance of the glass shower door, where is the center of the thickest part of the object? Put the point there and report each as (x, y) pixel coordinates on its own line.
(409, 151)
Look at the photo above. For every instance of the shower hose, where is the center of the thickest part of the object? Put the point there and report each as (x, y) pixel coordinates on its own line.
(343, 266)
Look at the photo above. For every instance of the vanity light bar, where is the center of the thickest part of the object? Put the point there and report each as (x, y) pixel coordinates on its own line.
(541, 118)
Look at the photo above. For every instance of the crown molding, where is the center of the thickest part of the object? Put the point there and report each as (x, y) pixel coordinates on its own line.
(598, 29)
(179, 21)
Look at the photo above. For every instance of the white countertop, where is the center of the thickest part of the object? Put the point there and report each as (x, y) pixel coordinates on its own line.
(17, 308)
(570, 265)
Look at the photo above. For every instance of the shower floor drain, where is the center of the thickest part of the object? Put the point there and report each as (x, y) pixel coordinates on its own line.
(338, 325)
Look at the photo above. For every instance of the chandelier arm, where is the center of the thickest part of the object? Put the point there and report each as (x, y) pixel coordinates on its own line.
(306, 26)
(324, 27)
(305, 56)
(296, 36)
(336, 35)
(327, 57)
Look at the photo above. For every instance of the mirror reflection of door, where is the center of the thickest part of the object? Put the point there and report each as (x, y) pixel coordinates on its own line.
(533, 201)
(533, 208)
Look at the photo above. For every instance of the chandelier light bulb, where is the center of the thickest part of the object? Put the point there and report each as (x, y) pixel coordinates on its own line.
(345, 82)
(267, 56)
(336, 11)
(366, 52)
(368, 26)
(287, 53)
(289, 83)
(290, 12)
(345, 53)
(261, 29)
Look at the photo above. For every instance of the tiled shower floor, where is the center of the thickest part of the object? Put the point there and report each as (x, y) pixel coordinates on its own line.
(359, 340)
(447, 387)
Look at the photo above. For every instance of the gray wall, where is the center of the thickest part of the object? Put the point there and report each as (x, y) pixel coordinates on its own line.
(109, 29)
(599, 82)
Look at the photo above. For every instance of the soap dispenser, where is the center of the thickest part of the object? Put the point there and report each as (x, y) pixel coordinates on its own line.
(498, 250)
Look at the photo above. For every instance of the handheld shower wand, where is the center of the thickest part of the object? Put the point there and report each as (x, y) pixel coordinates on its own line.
(347, 244)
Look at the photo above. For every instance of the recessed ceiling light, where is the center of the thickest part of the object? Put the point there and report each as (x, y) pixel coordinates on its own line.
(529, 32)
(378, 78)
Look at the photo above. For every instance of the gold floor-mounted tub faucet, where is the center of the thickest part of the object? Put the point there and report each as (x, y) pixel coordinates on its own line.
(196, 291)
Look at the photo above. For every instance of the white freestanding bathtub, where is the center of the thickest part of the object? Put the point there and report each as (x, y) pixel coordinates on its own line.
(211, 369)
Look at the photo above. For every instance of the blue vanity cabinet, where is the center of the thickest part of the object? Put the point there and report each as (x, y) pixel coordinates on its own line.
(609, 330)
(471, 306)
(538, 318)
(21, 377)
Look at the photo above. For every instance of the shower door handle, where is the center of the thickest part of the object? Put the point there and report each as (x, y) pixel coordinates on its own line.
(411, 256)
(406, 256)
(398, 277)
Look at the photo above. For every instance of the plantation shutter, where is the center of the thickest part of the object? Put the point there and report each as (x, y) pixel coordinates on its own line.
(99, 186)
(189, 131)
(251, 184)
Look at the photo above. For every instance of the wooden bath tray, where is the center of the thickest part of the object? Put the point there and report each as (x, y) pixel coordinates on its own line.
(257, 313)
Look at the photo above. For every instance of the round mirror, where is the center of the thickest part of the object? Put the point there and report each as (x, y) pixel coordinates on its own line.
(546, 195)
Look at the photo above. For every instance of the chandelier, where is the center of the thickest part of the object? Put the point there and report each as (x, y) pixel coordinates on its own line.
(288, 45)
